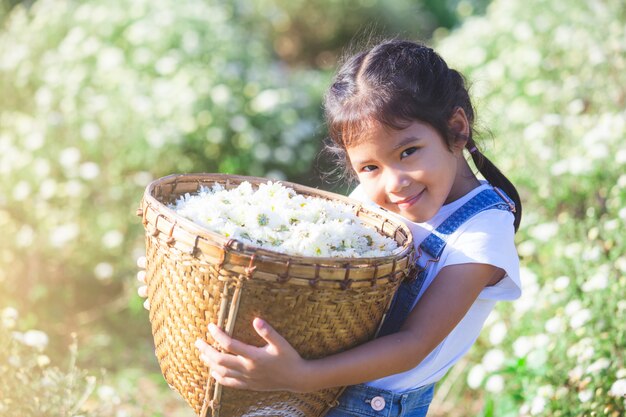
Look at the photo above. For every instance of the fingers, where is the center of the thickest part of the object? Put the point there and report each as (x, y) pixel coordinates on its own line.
(215, 358)
(268, 333)
(223, 364)
(229, 344)
(142, 291)
(141, 262)
(228, 381)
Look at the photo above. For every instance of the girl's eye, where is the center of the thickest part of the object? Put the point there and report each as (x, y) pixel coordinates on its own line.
(368, 168)
(408, 152)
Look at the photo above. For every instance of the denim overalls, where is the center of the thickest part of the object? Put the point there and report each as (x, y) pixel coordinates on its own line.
(362, 400)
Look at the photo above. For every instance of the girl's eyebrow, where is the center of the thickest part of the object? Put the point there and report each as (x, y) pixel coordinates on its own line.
(406, 141)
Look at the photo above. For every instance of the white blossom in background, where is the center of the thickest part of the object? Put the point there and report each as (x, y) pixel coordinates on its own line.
(112, 238)
(561, 283)
(585, 395)
(597, 281)
(618, 388)
(108, 394)
(493, 360)
(497, 333)
(522, 346)
(530, 290)
(35, 338)
(544, 232)
(580, 318)
(276, 217)
(476, 376)
(599, 365)
(103, 271)
(495, 384)
(63, 234)
(9, 317)
(537, 406)
(555, 325)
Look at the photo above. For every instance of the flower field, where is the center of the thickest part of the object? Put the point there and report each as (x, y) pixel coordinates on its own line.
(100, 97)
(550, 87)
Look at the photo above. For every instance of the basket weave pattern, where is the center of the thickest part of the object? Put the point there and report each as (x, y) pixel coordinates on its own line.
(320, 305)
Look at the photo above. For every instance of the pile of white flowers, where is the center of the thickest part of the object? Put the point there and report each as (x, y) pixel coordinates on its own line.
(275, 217)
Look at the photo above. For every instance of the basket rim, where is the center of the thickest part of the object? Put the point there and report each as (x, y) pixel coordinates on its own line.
(149, 200)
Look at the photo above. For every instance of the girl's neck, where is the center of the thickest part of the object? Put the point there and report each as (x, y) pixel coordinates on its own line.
(465, 182)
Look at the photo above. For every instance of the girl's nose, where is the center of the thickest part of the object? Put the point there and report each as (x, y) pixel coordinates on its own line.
(397, 181)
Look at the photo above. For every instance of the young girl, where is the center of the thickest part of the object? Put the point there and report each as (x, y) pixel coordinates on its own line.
(401, 119)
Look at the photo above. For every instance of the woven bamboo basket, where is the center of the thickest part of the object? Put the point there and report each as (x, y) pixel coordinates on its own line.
(320, 305)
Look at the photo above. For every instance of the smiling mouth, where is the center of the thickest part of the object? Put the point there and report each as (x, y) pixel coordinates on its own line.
(408, 202)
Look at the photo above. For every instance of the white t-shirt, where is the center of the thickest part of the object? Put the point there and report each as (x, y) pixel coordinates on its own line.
(487, 238)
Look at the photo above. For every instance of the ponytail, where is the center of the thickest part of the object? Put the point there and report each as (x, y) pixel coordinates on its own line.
(497, 179)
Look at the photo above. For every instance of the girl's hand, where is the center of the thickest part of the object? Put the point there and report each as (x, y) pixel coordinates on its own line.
(141, 276)
(273, 367)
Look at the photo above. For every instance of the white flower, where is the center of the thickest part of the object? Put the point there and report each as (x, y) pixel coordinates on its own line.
(546, 391)
(598, 365)
(537, 406)
(21, 190)
(555, 325)
(493, 360)
(497, 333)
(69, 157)
(25, 236)
(265, 101)
(580, 318)
(103, 271)
(9, 317)
(544, 232)
(583, 350)
(63, 234)
(220, 94)
(475, 376)
(618, 389)
(561, 283)
(522, 346)
(598, 281)
(585, 395)
(35, 338)
(43, 360)
(527, 248)
(112, 238)
(536, 358)
(107, 394)
(275, 217)
(89, 170)
(495, 384)
(573, 307)
(90, 131)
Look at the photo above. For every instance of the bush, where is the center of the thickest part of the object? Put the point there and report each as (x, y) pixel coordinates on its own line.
(32, 386)
(101, 97)
(550, 86)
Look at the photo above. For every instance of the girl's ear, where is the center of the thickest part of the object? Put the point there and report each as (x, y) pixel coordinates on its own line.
(460, 128)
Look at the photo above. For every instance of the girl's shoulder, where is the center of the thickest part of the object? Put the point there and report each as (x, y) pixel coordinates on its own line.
(488, 238)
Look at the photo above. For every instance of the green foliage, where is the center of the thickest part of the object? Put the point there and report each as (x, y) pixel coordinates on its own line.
(100, 97)
(550, 87)
(31, 386)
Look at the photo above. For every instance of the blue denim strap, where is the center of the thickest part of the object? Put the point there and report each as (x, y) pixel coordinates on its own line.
(485, 200)
(434, 245)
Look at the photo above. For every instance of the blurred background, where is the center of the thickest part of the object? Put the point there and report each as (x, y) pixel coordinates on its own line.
(99, 97)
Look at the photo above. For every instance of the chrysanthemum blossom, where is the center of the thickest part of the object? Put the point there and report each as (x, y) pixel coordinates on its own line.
(275, 217)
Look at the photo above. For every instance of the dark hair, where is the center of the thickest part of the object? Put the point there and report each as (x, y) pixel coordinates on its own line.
(397, 82)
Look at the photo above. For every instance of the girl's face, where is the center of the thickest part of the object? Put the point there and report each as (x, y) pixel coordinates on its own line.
(411, 171)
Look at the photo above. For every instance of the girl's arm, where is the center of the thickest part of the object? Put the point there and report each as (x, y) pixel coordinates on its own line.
(277, 366)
